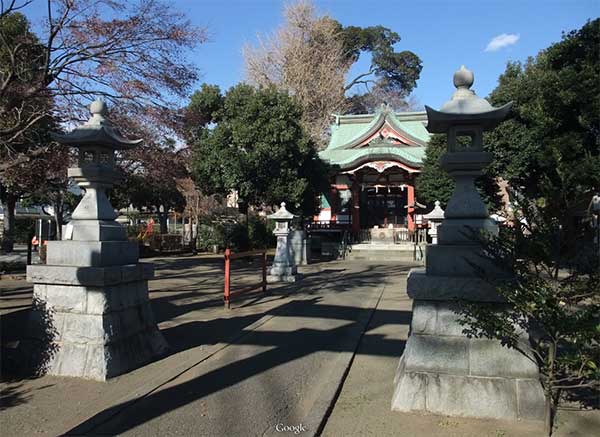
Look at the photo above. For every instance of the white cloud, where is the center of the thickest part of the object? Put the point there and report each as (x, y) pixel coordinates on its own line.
(501, 41)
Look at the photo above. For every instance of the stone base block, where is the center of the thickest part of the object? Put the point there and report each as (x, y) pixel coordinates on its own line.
(92, 276)
(444, 372)
(97, 230)
(465, 231)
(421, 286)
(92, 331)
(271, 279)
(92, 253)
(459, 260)
(469, 396)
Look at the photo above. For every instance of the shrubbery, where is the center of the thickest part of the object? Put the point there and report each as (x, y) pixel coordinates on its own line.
(235, 235)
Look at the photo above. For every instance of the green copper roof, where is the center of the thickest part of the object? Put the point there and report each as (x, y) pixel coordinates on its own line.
(349, 132)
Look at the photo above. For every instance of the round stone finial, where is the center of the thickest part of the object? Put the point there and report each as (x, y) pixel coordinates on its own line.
(98, 107)
(283, 204)
(463, 78)
(437, 203)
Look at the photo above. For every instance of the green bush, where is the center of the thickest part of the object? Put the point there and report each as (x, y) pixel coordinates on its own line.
(236, 236)
(260, 232)
(208, 237)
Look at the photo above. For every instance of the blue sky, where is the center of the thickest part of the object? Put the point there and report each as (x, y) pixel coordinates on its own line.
(444, 34)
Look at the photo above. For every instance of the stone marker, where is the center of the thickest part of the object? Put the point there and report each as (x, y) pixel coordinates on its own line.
(435, 217)
(91, 302)
(283, 269)
(298, 249)
(442, 371)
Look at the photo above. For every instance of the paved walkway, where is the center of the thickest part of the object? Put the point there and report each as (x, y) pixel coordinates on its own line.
(272, 361)
(275, 359)
(363, 405)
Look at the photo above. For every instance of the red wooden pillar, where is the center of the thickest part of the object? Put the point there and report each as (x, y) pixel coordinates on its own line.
(411, 207)
(227, 291)
(355, 207)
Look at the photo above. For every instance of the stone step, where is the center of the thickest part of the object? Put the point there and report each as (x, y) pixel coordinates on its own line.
(383, 247)
(400, 255)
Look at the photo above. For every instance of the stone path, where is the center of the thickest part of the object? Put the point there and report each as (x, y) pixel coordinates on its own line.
(272, 360)
(363, 405)
(275, 359)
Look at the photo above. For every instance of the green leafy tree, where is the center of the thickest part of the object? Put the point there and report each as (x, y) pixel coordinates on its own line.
(258, 148)
(389, 70)
(202, 110)
(549, 151)
(434, 183)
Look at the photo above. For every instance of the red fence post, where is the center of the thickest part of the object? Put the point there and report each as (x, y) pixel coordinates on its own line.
(264, 272)
(226, 293)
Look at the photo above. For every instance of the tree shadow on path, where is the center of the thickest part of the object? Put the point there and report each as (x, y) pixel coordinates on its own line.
(281, 347)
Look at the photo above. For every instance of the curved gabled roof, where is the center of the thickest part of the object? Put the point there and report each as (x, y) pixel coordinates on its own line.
(352, 142)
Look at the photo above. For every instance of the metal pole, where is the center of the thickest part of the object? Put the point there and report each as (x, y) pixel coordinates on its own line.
(226, 293)
(30, 236)
(264, 271)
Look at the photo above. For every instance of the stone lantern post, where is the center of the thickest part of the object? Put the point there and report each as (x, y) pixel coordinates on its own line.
(283, 269)
(442, 371)
(91, 302)
(435, 217)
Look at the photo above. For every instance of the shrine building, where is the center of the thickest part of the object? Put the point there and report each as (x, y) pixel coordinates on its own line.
(376, 158)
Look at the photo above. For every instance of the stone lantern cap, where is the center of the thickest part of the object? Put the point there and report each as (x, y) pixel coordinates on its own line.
(282, 214)
(97, 131)
(465, 108)
(436, 214)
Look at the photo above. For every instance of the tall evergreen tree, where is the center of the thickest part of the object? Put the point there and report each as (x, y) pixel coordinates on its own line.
(257, 146)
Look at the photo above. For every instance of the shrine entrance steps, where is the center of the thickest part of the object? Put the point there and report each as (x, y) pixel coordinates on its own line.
(404, 252)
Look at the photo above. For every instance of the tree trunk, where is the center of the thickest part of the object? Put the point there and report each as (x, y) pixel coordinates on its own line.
(548, 416)
(550, 401)
(8, 236)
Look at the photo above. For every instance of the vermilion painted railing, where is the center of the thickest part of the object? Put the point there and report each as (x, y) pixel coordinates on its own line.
(229, 255)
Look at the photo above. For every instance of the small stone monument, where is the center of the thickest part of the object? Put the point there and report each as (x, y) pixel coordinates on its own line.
(93, 291)
(298, 249)
(283, 269)
(441, 370)
(435, 217)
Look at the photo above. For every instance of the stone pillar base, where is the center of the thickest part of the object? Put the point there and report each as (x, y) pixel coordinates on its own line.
(271, 279)
(444, 372)
(283, 274)
(94, 322)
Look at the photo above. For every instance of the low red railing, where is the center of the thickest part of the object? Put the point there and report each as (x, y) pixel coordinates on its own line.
(229, 255)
